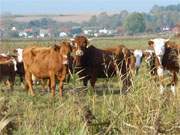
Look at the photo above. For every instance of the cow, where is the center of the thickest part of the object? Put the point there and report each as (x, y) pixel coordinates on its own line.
(8, 69)
(47, 63)
(166, 58)
(20, 67)
(92, 63)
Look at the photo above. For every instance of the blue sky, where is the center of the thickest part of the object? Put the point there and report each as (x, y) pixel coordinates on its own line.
(79, 6)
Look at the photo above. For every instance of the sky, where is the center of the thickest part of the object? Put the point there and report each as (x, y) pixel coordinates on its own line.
(79, 6)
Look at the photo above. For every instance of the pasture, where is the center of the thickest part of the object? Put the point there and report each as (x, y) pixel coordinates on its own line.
(142, 111)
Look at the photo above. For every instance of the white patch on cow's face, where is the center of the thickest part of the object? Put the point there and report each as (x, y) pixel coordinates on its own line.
(138, 55)
(79, 52)
(65, 61)
(159, 46)
(19, 54)
(64, 56)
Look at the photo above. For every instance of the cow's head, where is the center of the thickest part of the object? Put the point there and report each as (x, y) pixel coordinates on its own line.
(64, 49)
(19, 52)
(158, 45)
(80, 44)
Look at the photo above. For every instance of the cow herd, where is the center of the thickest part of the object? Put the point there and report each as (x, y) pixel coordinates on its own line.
(90, 63)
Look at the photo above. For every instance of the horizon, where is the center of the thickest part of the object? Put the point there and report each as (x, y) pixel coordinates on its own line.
(49, 7)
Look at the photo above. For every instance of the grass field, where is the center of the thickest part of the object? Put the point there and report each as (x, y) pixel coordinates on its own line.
(142, 111)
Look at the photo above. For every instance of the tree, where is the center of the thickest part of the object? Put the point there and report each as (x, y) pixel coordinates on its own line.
(134, 23)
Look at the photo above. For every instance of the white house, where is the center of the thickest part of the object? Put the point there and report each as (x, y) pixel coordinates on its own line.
(13, 29)
(23, 34)
(44, 33)
(63, 34)
(103, 31)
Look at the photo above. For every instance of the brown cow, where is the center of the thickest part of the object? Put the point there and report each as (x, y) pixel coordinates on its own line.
(47, 62)
(7, 69)
(96, 63)
(166, 58)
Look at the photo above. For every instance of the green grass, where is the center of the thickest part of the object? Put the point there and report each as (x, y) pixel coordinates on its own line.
(142, 111)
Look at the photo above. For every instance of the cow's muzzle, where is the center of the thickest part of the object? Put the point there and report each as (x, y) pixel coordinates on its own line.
(79, 52)
(65, 60)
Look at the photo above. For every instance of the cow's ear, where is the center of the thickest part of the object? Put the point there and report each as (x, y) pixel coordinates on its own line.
(56, 47)
(150, 43)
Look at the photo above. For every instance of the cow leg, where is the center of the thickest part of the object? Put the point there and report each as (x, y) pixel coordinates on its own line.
(21, 80)
(12, 80)
(93, 81)
(85, 81)
(43, 83)
(28, 77)
(173, 83)
(53, 84)
(61, 85)
(160, 76)
(10, 85)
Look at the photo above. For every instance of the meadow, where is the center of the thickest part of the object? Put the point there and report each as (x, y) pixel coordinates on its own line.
(84, 112)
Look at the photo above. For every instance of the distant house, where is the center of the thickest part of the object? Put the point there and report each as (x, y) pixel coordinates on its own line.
(44, 33)
(103, 31)
(176, 29)
(63, 34)
(165, 29)
(88, 32)
(23, 34)
(13, 29)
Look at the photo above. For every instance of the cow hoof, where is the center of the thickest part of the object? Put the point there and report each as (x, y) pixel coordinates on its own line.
(32, 94)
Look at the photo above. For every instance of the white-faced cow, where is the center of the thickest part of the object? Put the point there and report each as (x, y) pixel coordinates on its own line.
(166, 58)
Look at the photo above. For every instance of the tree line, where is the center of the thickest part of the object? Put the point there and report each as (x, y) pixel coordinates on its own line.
(129, 22)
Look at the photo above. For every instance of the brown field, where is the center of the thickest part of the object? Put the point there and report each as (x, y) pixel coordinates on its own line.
(59, 18)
